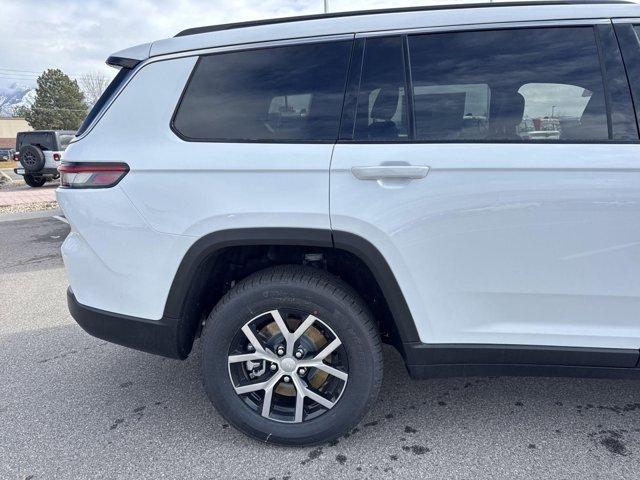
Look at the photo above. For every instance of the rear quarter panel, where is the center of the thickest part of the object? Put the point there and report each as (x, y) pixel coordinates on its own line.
(128, 241)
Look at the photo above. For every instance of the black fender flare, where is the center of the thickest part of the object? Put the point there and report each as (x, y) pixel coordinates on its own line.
(207, 246)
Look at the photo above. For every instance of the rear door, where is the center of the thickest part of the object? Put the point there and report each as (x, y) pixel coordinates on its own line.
(498, 173)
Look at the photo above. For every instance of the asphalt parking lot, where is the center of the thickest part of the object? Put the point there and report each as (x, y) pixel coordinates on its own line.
(72, 406)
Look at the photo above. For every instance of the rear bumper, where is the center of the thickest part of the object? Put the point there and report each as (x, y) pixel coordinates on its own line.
(160, 337)
(44, 171)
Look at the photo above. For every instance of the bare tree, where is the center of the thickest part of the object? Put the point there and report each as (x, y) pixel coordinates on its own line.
(93, 85)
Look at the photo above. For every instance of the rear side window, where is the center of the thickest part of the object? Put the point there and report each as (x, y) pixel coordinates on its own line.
(291, 93)
(508, 85)
(119, 79)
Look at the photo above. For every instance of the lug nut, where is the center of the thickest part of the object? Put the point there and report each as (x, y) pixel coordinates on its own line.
(302, 371)
(250, 348)
(299, 354)
(273, 367)
(280, 350)
(286, 379)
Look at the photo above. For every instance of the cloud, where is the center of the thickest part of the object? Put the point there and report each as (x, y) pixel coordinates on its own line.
(78, 35)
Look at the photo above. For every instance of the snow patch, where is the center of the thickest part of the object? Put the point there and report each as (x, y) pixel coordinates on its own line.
(15, 96)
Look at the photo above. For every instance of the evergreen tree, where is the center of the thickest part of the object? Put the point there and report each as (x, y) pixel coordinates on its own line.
(59, 103)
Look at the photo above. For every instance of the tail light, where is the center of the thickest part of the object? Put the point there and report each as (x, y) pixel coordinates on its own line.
(91, 175)
(56, 157)
(16, 157)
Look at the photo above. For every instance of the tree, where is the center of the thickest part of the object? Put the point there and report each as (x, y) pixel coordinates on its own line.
(59, 103)
(20, 112)
(93, 85)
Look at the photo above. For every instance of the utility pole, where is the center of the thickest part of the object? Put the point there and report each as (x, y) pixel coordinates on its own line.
(326, 6)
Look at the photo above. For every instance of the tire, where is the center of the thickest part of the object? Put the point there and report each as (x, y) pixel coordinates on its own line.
(337, 312)
(31, 158)
(34, 181)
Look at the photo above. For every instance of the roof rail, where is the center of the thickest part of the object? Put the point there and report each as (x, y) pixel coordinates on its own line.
(273, 21)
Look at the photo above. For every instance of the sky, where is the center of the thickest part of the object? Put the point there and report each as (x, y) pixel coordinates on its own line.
(78, 35)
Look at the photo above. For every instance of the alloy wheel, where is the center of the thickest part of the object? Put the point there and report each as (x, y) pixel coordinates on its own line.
(288, 366)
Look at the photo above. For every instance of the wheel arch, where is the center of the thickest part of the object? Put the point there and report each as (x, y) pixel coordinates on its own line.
(187, 300)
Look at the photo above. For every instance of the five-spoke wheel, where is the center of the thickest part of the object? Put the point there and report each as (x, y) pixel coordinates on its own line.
(291, 355)
(294, 366)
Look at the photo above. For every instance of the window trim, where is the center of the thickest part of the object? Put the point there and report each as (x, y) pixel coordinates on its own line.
(592, 23)
(605, 83)
(586, 22)
(352, 91)
(262, 46)
(630, 52)
(617, 81)
(408, 89)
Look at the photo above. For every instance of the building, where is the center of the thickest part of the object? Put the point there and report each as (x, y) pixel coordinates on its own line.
(9, 128)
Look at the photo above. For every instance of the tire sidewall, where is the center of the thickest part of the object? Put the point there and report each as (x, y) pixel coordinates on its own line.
(34, 181)
(227, 321)
(39, 155)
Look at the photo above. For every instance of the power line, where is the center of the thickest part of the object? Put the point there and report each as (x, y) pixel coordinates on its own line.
(6, 75)
(27, 79)
(27, 71)
(23, 71)
(20, 74)
(28, 75)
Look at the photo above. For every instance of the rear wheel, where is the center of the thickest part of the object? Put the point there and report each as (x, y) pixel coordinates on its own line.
(34, 181)
(291, 355)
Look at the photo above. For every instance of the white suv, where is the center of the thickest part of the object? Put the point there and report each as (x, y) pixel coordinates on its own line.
(296, 192)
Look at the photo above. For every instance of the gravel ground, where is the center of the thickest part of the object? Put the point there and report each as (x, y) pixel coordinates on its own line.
(28, 207)
(17, 184)
(72, 406)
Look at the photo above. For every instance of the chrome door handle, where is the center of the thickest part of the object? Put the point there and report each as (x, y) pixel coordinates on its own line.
(382, 172)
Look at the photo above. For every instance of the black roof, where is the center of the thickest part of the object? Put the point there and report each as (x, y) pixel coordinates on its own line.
(273, 21)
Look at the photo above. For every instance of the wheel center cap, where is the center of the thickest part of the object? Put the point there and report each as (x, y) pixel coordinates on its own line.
(288, 365)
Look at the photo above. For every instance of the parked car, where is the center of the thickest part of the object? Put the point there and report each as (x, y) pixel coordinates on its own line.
(39, 153)
(6, 154)
(358, 178)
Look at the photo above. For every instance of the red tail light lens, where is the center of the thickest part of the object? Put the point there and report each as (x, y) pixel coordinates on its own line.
(16, 157)
(56, 157)
(91, 175)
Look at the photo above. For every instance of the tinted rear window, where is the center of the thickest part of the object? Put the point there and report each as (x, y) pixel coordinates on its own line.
(44, 140)
(291, 93)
